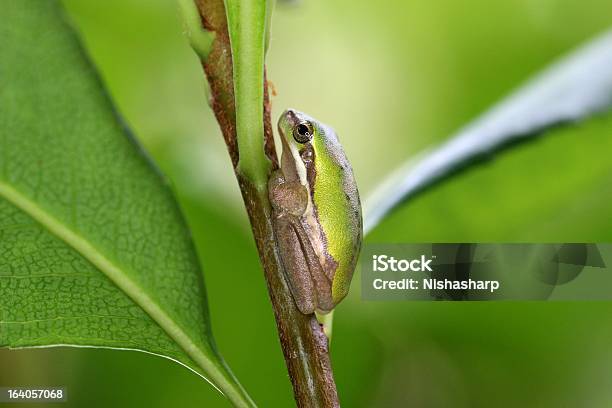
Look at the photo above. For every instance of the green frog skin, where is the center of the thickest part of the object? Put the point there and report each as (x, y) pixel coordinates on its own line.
(316, 213)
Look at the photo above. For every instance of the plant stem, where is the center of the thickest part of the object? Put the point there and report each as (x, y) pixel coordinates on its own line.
(304, 344)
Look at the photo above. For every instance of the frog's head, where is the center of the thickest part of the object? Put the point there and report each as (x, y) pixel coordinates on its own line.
(297, 131)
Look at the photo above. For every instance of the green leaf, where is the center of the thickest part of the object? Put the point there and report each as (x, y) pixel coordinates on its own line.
(93, 247)
(575, 88)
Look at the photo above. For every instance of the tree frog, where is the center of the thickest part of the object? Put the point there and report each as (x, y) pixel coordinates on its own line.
(316, 213)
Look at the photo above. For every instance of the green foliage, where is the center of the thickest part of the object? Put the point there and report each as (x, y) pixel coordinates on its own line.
(552, 189)
(94, 248)
(573, 89)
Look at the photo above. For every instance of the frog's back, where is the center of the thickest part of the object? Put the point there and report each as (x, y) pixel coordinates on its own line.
(338, 207)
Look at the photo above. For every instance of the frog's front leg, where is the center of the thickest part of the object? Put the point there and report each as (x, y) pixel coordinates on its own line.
(310, 286)
(287, 197)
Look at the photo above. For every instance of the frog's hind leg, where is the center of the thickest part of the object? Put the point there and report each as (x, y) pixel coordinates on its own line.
(295, 266)
(321, 281)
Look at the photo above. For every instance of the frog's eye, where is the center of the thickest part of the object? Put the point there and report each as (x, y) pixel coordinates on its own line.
(303, 132)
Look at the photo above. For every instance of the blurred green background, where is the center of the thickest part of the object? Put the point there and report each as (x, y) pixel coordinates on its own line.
(393, 79)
